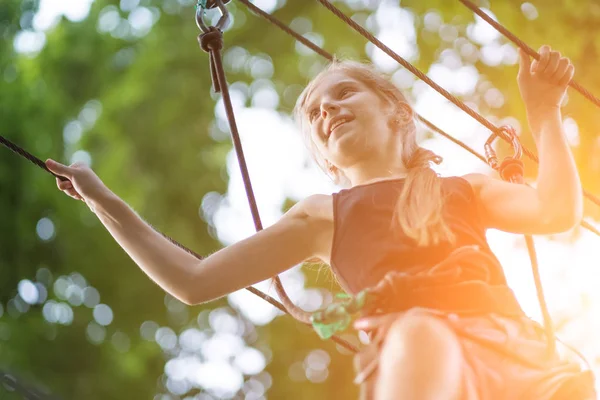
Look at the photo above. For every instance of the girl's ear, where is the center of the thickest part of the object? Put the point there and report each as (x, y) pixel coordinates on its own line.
(404, 113)
(401, 115)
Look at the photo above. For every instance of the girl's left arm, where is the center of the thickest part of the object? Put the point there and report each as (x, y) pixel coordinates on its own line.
(556, 204)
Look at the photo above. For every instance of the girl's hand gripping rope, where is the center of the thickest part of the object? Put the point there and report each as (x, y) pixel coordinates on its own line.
(82, 184)
(543, 83)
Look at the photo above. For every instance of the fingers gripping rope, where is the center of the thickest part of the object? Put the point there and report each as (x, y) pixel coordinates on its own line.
(23, 153)
(213, 45)
(513, 38)
(511, 170)
(479, 118)
(431, 126)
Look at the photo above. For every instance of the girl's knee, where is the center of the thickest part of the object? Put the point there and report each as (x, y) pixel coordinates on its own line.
(416, 335)
(425, 354)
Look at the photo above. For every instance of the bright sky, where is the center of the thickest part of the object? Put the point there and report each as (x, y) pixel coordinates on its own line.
(277, 161)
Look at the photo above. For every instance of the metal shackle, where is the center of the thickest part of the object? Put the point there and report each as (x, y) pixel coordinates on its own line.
(210, 4)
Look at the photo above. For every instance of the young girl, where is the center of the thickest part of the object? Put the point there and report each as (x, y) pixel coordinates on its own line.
(460, 333)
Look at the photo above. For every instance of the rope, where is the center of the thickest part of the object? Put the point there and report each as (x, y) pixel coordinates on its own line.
(415, 71)
(11, 146)
(512, 170)
(211, 41)
(329, 56)
(341, 313)
(23, 153)
(218, 76)
(513, 38)
(287, 30)
(430, 125)
(539, 289)
(478, 117)
(11, 383)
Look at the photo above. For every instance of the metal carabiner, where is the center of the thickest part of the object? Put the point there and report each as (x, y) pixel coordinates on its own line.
(210, 4)
(509, 134)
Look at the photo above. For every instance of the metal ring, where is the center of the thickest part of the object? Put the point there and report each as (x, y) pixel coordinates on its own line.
(210, 4)
(509, 134)
(223, 21)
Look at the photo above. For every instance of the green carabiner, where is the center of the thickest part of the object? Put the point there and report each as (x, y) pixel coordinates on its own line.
(337, 317)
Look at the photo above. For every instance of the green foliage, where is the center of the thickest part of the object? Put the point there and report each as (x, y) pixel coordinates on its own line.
(150, 138)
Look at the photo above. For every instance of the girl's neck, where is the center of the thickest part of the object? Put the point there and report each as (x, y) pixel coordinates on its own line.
(381, 179)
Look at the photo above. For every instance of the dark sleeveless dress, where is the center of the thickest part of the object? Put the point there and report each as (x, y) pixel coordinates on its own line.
(364, 248)
(504, 357)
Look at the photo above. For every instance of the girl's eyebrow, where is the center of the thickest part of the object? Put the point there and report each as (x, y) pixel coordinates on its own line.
(335, 86)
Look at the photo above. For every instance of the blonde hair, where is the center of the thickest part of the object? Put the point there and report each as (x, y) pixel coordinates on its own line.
(419, 209)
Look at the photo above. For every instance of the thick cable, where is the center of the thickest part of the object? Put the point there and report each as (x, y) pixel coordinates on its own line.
(548, 326)
(513, 38)
(539, 289)
(511, 170)
(213, 45)
(38, 162)
(319, 50)
(475, 115)
(11, 146)
(414, 70)
(434, 128)
(211, 41)
(403, 62)
(287, 29)
(11, 383)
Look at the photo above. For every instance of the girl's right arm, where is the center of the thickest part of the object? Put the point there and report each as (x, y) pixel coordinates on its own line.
(269, 252)
(293, 239)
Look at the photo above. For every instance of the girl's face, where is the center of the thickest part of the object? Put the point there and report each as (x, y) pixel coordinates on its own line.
(348, 122)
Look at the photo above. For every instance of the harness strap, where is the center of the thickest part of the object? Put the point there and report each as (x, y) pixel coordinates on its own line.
(465, 298)
(459, 284)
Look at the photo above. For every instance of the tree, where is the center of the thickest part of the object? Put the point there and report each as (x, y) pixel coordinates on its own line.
(128, 89)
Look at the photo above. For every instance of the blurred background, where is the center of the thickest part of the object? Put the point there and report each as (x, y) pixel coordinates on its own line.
(123, 86)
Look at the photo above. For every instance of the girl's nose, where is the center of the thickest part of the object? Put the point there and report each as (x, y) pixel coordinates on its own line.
(328, 108)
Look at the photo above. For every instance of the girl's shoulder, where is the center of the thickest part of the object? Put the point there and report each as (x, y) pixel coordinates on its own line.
(476, 181)
(316, 206)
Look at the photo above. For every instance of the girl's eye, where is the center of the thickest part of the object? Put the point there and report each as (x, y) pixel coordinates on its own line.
(313, 114)
(345, 92)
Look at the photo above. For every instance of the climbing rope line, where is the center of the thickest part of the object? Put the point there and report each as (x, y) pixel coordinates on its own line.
(513, 38)
(211, 41)
(512, 170)
(325, 54)
(496, 132)
(414, 70)
(478, 117)
(287, 29)
(20, 151)
(10, 382)
(330, 57)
